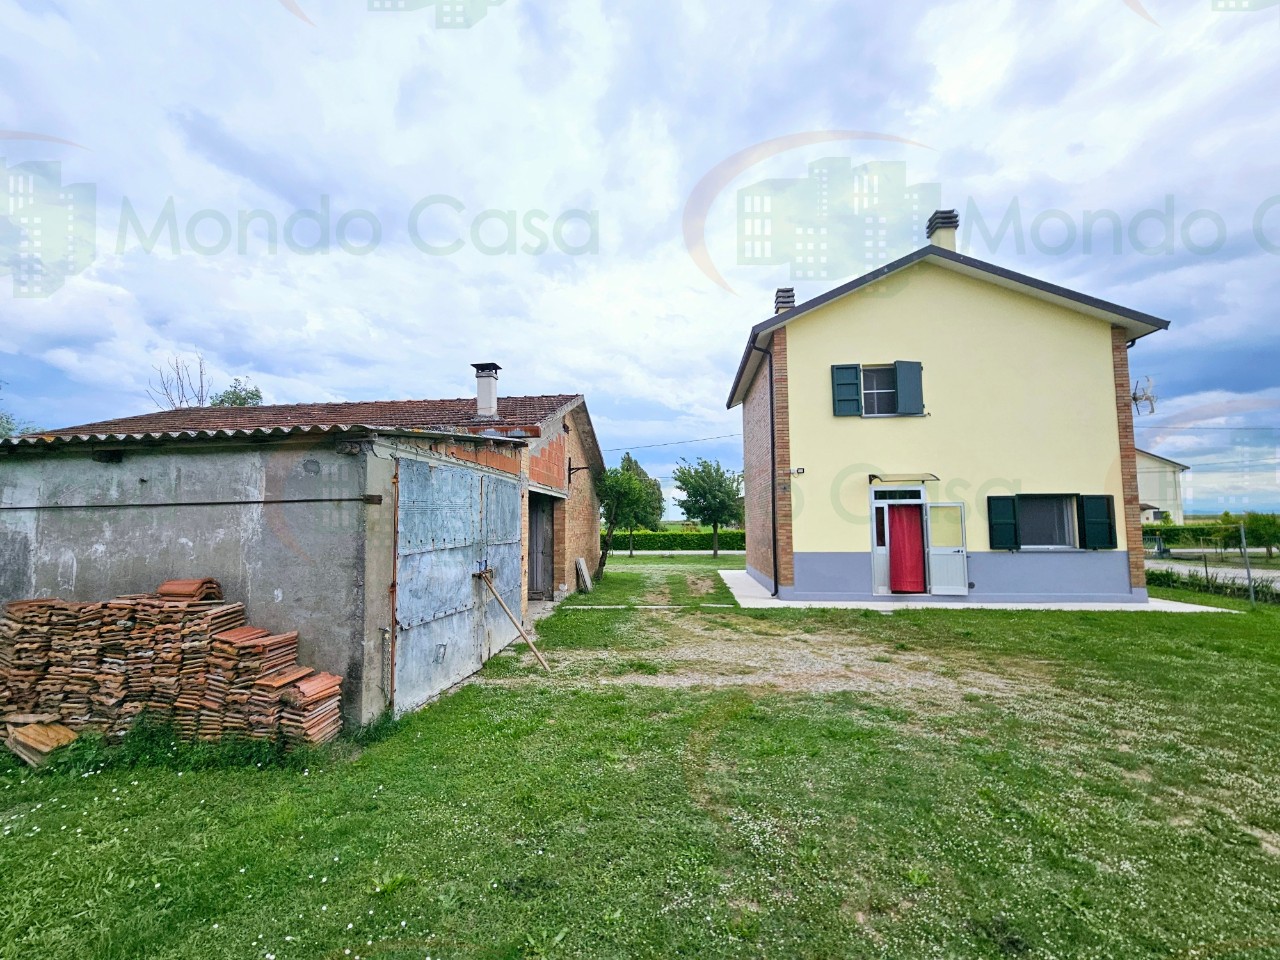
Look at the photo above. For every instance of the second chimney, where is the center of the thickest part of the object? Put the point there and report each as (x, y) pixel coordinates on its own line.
(784, 299)
(943, 226)
(486, 389)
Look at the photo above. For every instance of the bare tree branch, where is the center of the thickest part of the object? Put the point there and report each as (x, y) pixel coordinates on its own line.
(178, 385)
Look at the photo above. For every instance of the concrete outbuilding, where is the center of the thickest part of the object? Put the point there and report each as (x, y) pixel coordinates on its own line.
(358, 524)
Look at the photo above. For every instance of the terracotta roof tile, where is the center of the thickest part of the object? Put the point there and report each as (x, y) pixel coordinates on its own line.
(457, 415)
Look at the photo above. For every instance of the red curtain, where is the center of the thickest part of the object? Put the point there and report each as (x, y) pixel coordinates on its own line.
(906, 549)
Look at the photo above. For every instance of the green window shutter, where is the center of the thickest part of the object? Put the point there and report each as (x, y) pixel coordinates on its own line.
(910, 388)
(846, 390)
(1002, 519)
(1097, 522)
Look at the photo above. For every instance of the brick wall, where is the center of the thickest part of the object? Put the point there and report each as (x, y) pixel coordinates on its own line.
(505, 458)
(1128, 457)
(782, 414)
(758, 467)
(575, 519)
(548, 462)
(578, 521)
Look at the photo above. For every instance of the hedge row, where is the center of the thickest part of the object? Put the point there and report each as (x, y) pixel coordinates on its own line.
(1264, 590)
(666, 540)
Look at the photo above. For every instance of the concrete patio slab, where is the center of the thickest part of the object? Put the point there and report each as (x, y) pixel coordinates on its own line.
(753, 596)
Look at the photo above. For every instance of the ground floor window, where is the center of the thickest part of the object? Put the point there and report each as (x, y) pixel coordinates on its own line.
(1053, 521)
(1047, 521)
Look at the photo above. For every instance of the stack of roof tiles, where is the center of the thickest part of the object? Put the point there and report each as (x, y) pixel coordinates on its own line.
(313, 711)
(181, 653)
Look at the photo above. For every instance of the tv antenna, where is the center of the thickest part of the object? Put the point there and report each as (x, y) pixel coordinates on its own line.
(1144, 394)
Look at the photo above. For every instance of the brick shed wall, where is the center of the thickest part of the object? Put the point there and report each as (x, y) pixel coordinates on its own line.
(578, 522)
(575, 519)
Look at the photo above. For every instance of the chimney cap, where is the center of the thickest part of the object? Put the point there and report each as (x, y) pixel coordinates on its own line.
(784, 299)
(943, 220)
(486, 368)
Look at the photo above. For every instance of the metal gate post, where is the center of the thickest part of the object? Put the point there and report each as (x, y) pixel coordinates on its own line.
(1248, 567)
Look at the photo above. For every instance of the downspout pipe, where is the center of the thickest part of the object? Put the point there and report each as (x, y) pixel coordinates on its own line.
(773, 463)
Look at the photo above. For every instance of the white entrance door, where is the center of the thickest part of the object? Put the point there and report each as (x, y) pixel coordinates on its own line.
(948, 558)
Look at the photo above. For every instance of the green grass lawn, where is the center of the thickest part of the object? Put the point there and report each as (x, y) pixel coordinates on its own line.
(662, 580)
(703, 782)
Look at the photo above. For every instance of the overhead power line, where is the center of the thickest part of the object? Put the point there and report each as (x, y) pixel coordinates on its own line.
(1228, 463)
(673, 443)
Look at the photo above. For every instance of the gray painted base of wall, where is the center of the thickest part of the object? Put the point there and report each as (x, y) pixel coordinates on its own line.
(1077, 576)
(763, 579)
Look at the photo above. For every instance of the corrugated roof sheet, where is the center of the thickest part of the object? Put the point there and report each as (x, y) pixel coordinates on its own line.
(62, 438)
(452, 415)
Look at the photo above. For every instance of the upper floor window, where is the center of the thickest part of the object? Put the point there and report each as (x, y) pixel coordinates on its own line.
(877, 390)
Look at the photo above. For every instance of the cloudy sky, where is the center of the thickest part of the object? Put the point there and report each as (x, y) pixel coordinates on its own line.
(524, 189)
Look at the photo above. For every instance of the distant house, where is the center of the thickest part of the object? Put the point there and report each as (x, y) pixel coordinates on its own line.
(943, 428)
(358, 524)
(1160, 487)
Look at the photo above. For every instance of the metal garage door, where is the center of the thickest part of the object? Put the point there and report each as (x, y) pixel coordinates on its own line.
(454, 521)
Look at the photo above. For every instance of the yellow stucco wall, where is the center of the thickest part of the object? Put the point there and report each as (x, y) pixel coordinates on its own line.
(1019, 396)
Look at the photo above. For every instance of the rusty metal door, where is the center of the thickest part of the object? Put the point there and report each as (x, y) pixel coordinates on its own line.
(453, 521)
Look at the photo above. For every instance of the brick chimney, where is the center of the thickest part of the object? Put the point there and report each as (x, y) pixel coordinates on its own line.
(784, 299)
(486, 389)
(943, 226)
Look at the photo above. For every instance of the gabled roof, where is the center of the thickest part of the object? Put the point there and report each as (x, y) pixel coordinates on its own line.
(1134, 322)
(518, 418)
(1156, 456)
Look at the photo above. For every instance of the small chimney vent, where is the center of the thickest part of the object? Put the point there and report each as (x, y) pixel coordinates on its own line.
(784, 299)
(486, 389)
(943, 226)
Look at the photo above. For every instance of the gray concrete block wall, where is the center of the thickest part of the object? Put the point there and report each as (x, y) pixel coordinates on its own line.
(120, 528)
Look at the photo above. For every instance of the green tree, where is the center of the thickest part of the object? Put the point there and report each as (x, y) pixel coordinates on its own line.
(241, 393)
(1262, 530)
(712, 495)
(10, 425)
(623, 496)
(649, 516)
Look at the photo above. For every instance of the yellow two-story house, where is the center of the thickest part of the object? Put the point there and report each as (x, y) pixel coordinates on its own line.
(943, 427)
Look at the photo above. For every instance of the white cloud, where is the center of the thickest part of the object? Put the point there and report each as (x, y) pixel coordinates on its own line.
(619, 109)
